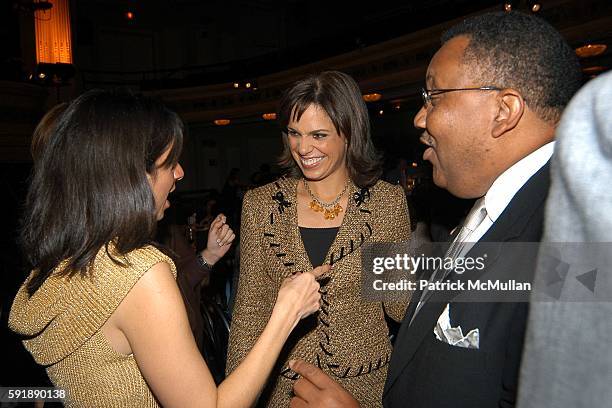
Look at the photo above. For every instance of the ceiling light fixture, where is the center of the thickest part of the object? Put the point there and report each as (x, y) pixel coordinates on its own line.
(372, 97)
(591, 50)
(593, 70)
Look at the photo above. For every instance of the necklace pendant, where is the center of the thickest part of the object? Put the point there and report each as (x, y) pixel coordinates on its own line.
(333, 212)
(330, 211)
(315, 206)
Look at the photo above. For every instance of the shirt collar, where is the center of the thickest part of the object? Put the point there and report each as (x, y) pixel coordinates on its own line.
(510, 181)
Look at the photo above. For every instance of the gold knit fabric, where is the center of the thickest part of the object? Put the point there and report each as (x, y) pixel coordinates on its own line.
(348, 338)
(62, 325)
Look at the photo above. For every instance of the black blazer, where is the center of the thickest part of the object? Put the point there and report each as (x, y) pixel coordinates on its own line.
(425, 372)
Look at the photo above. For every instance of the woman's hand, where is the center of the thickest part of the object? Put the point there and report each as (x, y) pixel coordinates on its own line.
(299, 294)
(220, 238)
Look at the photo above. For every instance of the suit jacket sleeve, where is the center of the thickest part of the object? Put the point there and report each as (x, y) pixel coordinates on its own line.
(510, 375)
(256, 293)
(399, 231)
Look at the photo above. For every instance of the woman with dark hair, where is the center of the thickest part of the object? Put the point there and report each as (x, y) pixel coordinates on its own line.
(330, 204)
(101, 308)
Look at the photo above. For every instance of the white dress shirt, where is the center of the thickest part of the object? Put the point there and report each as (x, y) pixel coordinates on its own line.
(506, 186)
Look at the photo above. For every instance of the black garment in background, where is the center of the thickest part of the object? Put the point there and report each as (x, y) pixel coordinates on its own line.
(206, 319)
(317, 242)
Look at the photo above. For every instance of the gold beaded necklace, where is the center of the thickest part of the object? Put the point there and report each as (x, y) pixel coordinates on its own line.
(329, 210)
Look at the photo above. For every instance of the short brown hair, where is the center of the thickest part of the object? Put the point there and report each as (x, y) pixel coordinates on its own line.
(340, 97)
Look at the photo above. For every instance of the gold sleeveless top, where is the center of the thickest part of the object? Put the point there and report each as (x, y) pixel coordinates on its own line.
(62, 325)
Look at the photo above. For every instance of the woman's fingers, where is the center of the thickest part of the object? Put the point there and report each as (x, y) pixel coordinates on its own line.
(220, 233)
(215, 227)
(226, 235)
(299, 293)
(230, 238)
(320, 270)
(310, 293)
(218, 222)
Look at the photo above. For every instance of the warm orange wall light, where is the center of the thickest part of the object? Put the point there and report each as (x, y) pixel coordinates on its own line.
(372, 97)
(269, 116)
(53, 40)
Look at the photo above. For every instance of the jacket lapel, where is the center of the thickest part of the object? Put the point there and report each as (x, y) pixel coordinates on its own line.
(354, 231)
(283, 234)
(509, 226)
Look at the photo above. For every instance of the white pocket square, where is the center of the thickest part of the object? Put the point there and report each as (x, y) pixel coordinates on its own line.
(454, 335)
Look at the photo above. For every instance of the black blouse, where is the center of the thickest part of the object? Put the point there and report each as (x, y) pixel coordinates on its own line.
(317, 242)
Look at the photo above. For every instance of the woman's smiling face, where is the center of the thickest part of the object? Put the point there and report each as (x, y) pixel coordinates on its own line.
(316, 146)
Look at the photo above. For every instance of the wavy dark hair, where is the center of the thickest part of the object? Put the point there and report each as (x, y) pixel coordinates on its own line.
(89, 185)
(339, 95)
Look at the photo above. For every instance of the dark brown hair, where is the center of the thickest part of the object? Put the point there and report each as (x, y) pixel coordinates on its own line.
(89, 185)
(45, 127)
(339, 96)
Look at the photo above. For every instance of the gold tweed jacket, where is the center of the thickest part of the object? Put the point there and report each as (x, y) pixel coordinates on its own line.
(348, 338)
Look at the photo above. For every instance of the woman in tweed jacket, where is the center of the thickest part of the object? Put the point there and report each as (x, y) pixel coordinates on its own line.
(332, 188)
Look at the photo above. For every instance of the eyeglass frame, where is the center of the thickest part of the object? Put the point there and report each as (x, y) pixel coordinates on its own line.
(426, 94)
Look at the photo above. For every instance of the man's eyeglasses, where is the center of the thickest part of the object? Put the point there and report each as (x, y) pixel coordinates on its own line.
(428, 93)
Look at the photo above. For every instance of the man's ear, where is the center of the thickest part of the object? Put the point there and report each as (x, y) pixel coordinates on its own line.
(511, 109)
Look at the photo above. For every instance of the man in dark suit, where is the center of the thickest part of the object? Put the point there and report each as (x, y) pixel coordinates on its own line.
(495, 92)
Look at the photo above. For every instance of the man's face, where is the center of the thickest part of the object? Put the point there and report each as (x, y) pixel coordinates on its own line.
(457, 125)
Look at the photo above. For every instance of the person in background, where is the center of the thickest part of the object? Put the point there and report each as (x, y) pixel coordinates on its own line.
(231, 196)
(194, 268)
(398, 174)
(262, 176)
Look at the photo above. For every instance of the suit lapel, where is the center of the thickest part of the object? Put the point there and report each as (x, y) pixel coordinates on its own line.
(519, 212)
(509, 226)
